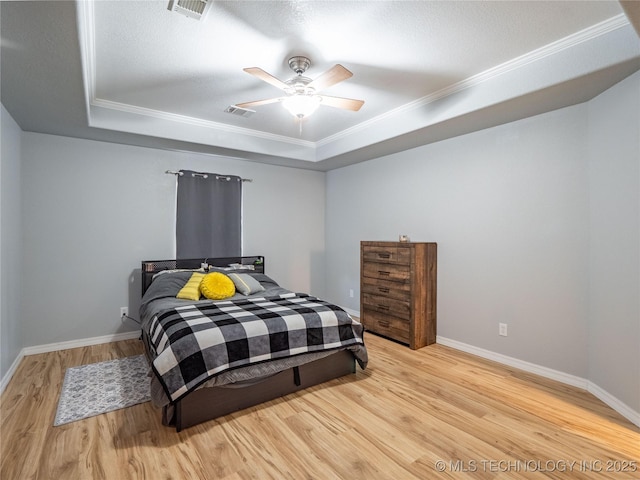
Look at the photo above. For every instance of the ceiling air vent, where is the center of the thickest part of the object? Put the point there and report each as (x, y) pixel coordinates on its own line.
(242, 112)
(191, 8)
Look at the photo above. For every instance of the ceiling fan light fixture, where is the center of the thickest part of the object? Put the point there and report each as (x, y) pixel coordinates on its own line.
(301, 106)
(302, 98)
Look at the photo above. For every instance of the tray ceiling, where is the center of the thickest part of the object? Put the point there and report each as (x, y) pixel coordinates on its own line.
(136, 73)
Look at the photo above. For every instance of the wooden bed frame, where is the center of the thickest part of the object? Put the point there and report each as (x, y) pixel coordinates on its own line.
(209, 403)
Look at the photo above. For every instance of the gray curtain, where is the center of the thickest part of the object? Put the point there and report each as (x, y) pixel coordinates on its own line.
(209, 215)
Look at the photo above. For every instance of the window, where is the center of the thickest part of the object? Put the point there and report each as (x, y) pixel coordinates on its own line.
(208, 215)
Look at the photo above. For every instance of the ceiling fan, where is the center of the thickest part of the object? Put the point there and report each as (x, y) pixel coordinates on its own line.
(301, 97)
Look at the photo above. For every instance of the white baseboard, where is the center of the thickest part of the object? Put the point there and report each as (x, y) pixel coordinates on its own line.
(514, 362)
(11, 371)
(353, 313)
(622, 408)
(84, 342)
(606, 397)
(562, 377)
(54, 347)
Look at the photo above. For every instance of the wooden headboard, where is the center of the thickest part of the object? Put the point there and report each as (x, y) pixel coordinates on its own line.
(151, 267)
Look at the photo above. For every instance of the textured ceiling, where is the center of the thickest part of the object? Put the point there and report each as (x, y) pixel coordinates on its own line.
(137, 73)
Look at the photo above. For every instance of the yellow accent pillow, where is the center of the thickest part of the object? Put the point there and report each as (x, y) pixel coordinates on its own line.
(217, 286)
(191, 289)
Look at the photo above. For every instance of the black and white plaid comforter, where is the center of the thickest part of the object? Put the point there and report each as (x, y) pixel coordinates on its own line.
(195, 342)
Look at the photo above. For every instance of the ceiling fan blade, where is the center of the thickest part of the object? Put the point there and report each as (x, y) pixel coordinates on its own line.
(257, 103)
(334, 75)
(266, 77)
(345, 103)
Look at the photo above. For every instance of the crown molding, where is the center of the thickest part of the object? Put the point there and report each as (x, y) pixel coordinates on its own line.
(589, 33)
(86, 29)
(87, 39)
(85, 20)
(187, 120)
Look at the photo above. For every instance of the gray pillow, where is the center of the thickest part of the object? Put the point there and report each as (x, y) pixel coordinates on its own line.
(245, 284)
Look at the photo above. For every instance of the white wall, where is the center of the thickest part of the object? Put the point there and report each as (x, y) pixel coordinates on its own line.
(508, 209)
(614, 232)
(10, 243)
(92, 211)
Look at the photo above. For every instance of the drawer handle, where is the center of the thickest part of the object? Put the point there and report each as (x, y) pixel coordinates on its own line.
(383, 323)
(383, 289)
(383, 307)
(384, 255)
(382, 273)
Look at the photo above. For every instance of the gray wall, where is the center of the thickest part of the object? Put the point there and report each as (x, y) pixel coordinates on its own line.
(614, 233)
(10, 242)
(92, 211)
(521, 216)
(508, 208)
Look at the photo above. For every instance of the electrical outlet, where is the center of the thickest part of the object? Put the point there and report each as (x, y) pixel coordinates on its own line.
(351, 292)
(502, 329)
(124, 312)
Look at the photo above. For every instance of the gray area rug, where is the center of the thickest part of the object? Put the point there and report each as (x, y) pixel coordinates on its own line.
(97, 388)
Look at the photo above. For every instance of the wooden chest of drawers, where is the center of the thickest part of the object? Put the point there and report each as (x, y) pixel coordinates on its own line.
(398, 290)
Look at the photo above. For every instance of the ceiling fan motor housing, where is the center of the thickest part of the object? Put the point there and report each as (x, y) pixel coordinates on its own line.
(299, 64)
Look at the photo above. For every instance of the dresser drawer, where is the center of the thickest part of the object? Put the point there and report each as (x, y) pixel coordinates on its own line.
(390, 306)
(387, 271)
(386, 288)
(387, 325)
(390, 254)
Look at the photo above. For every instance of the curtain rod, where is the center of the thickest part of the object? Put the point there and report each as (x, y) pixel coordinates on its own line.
(205, 175)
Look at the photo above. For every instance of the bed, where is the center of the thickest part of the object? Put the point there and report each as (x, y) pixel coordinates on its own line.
(212, 357)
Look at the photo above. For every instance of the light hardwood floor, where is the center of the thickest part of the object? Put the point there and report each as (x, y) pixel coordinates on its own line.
(396, 420)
